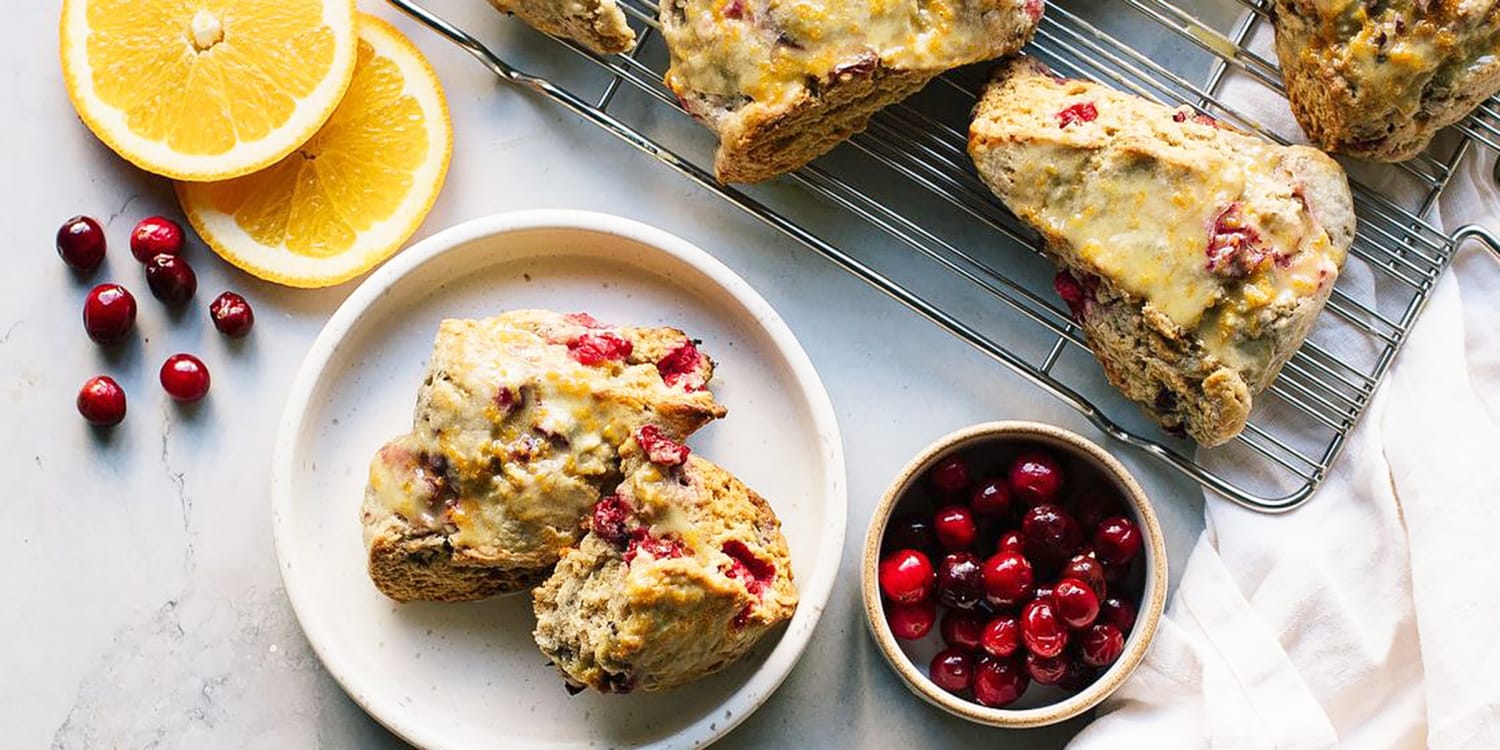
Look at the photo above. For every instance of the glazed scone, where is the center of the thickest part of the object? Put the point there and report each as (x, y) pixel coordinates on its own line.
(516, 431)
(599, 25)
(784, 81)
(683, 570)
(1378, 80)
(1195, 256)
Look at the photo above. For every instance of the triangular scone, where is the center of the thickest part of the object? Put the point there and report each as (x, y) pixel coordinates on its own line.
(517, 428)
(683, 570)
(599, 25)
(1195, 256)
(784, 81)
(1378, 80)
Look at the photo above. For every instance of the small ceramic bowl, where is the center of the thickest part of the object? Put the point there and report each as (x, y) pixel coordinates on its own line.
(988, 449)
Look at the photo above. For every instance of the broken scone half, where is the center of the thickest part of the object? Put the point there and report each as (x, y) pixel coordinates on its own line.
(684, 568)
(516, 432)
(1195, 257)
(599, 25)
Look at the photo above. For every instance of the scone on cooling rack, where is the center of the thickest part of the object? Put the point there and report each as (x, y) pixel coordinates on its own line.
(517, 429)
(1195, 257)
(599, 25)
(684, 568)
(1378, 80)
(784, 81)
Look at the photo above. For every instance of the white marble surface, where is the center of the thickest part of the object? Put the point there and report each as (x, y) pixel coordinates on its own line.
(142, 602)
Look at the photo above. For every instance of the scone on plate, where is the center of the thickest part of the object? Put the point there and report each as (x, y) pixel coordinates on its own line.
(784, 81)
(684, 568)
(1378, 80)
(599, 25)
(1195, 257)
(516, 431)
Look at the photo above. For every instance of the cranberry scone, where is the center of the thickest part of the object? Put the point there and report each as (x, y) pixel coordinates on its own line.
(1195, 257)
(516, 433)
(1379, 79)
(782, 82)
(684, 568)
(599, 25)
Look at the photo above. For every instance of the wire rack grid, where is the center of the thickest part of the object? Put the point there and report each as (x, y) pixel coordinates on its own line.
(909, 179)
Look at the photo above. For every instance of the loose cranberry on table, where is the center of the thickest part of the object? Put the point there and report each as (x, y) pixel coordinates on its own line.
(1046, 670)
(950, 476)
(101, 401)
(955, 527)
(1087, 569)
(153, 236)
(1035, 478)
(962, 628)
(1007, 579)
(80, 243)
(184, 377)
(171, 279)
(1116, 541)
(991, 498)
(952, 669)
(1118, 612)
(1011, 541)
(910, 532)
(906, 576)
(999, 682)
(1041, 630)
(1075, 603)
(960, 580)
(911, 621)
(1101, 645)
(1001, 636)
(108, 313)
(231, 315)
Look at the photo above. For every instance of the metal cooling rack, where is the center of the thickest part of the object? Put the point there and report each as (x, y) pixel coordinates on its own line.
(901, 208)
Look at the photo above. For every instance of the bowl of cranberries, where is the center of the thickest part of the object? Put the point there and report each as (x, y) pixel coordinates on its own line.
(1014, 574)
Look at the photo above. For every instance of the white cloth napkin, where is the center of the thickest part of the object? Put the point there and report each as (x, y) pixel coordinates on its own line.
(1369, 617)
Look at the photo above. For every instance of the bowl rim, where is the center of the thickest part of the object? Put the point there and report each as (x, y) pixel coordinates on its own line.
(1153, 600)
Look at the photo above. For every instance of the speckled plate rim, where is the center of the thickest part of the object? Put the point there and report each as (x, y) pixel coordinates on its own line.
(1148, 617)
(814, 587)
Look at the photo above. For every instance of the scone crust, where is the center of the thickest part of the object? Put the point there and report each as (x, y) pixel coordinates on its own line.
(599, 25)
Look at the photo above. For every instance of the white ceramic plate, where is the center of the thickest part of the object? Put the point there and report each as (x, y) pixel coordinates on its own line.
(468, 675)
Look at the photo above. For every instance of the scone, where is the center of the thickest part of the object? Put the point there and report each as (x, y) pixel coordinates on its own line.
(599, 25)
(784, 81)
(1378, 80)
(516, 432)
(683, 570)
(1195, 257)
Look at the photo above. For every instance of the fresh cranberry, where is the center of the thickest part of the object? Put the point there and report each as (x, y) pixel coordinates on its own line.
(1078, 676)
(1116, 541)
(960, 580)
(1042, 632)
(153, 236)
(1007, 579)
(660, 448)
(1051, 534)
(1093, 507)
(682, 367)
(955, 527)
(999, 682)
(962, 629)
(609, 520)
(1001, 636)
(952, 669)
(1075, 603)
(232, 315)
(950, 476)
(184, 377)
(910, 621)
(1079, 112)
(1101, 645)
(910, 531)
(1011, 541)
(1118, 612)
(991, 498)
(907, 577)
(597, 348)
(102, 401)
(1046, 670)
(1088, 570)
(80, 243)
(171, 279)
(1035, 478)
(108, 313)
